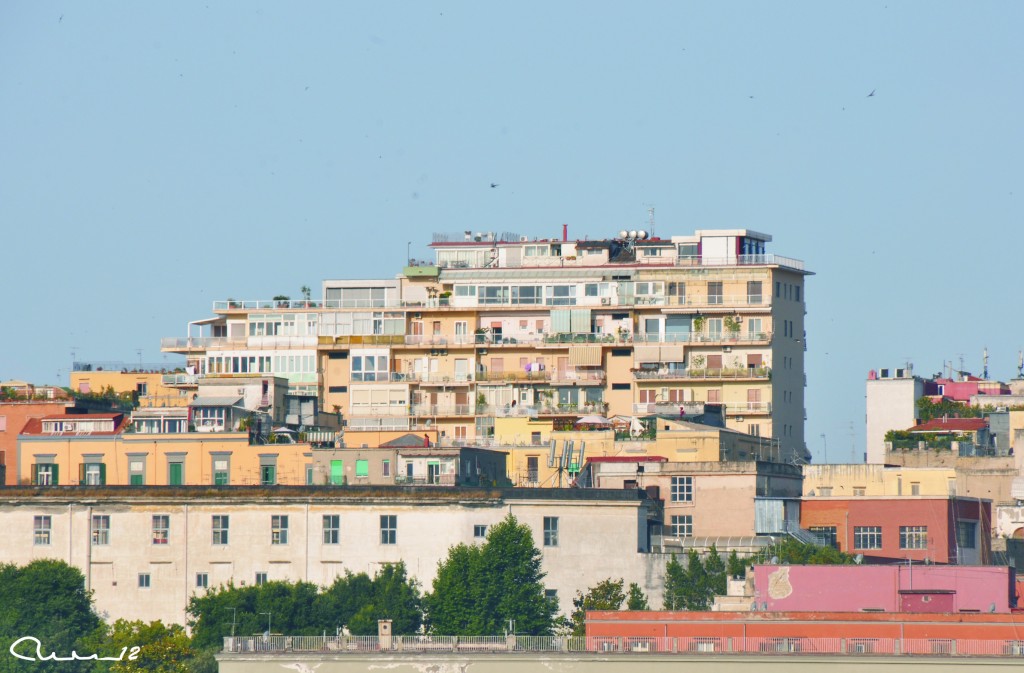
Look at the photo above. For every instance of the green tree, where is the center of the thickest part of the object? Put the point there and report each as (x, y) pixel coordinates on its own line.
(927, 409)
(735, 567)
(675, 595)
(636, 599)
(162, 648)
(698, 586)
(45, 599)
(243, 610)
(714, 566)
(394, 597)
(794, 552)
(503, 584)
(337, 604)
(607, 595)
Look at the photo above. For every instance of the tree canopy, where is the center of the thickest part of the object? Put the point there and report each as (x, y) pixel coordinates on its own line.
(606, 595)
(481, 590)
(792, 551)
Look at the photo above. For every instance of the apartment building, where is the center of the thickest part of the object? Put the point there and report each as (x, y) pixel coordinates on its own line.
(500, 325)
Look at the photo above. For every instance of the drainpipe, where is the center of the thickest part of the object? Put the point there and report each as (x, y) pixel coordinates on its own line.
(88, 552)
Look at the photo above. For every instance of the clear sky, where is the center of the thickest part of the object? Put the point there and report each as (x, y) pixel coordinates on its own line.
(155, 157)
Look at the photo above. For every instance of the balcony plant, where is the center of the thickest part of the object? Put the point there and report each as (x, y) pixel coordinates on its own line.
(698, 324)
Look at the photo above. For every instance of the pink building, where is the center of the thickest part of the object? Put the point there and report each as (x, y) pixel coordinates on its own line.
(888, 588)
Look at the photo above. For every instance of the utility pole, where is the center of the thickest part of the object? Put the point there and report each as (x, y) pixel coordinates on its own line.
(824, 443)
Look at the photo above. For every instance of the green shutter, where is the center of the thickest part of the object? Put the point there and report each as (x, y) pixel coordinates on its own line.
(174, 474)
(362, 468)
(81, 474)
(103, 474)
(337, 472)
(54, 473)
(35, 473)
(136, 480)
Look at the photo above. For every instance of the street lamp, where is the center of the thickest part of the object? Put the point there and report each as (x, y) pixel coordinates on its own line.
(408, 254)
(268, 622)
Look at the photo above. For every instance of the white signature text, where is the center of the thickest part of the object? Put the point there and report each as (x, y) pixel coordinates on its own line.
(132, 653)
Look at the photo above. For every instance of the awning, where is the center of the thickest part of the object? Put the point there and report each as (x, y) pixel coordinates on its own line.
(585, 355)
(644, 353)
(216, 402)
(672, 353)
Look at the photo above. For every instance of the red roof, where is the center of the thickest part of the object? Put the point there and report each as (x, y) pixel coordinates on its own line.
(952, 425)
(628, 459)
(34, 426)
(79, 417)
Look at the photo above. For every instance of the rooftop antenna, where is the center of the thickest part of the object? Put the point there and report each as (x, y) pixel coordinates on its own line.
(961, 372)
(1020, 364)
(984, 359)
(853, 448)
(650, 219)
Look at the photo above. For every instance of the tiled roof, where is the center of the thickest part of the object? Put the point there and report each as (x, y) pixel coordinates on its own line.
(951, 425)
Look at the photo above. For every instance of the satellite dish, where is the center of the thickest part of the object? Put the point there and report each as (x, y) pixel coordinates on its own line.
(858, 559)
(775, 560)
(623, 233)
(641, 234)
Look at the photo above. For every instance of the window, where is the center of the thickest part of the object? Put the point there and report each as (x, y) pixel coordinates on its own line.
(261, 579)
(268, 475)
(100, 529)
(92, 474)
(754, 429)
(915, 488)
(479, 531)
(859, 491)
(46, 474)
(385, 468)
(388, 529)
(682, 489)
(715, 293)
(161, 528)
(826, 534)
(220, 528)
(141, 389)
(966, 534)
(337, 472)
(362, 468)
(202, 581)
(41, 527)
(914, 537)
(620, 386)
(753, 292)
(551, 531)
(143, 580)
(279, 529)
(221, 471)
(867, 537)
(825, 491)
(551, 595)
(681, 525)
(369, 367)
(332, 528)
(175, 473)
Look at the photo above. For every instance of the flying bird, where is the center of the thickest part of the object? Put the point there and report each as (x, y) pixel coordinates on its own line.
(870, 94)
(493, 185)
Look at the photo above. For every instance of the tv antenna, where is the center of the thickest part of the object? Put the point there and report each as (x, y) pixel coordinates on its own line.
(1020, 364)
(650, 219)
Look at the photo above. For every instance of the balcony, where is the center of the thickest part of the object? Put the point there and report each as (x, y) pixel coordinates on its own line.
(443, 410)
(184, 380)
(514, 376)
(742, 260)
(179, 344)
(747, 301)
(702, 374)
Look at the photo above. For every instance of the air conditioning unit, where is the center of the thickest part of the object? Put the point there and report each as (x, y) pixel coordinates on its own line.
(606, 301)
(417, 315)
(524, 239)
(69, 427)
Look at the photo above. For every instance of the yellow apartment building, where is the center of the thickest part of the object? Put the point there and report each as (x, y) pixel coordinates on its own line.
(848, 480)
(153, 388)
(509, 325)
(101, 449)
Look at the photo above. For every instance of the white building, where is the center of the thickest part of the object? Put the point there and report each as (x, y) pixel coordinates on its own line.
(890, 405)
(145, 552)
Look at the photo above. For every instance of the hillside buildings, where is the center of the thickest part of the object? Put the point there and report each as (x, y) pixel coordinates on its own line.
(499, 326)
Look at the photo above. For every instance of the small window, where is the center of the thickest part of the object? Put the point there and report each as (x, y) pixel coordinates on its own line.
(682, 489)
(337, 389)
(42, 527)
(220, 528)
(867, 537)
(479, 531)
(913, 537)
(827, 534)
(551, 531)
(101, 529)
(268, 475)
(362, 468)
(143, 580)
(202, 581)
(620, 386)
(261, 579)
(551, 595)
(622, 353)
(161, 528)
(385, 468)
(859, 491)
(279, 529)
(915, 488)
(388, 529)
(332, 528)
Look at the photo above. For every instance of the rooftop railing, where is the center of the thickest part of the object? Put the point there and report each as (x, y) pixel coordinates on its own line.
(713, 643)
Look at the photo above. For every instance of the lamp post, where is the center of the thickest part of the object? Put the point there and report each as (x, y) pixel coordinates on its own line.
(268, 621)
(408, 254)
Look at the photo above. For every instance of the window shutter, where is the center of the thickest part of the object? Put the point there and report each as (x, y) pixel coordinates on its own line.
(35, 474)
(81, 474)
(55, 474)
(103, 474)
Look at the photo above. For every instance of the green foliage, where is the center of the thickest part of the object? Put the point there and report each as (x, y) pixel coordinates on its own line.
(734, 566)
(500, 582)
(45, 599)
(694, 587)
(393, 596)
(338, 604)
(698, 585)
(636, 600)
(715, 569)
(928, 410)
(675, 585)
(794, 552)
(607, 595)
(162, 648)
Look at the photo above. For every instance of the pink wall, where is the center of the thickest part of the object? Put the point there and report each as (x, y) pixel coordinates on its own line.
(862, 587)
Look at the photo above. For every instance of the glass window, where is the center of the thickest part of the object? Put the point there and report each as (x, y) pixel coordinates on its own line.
(551, 531)
(682, 489)
(753, 292)
(101, 529)
(966, 534)
(220, 528)
(479, 531)
(202, 581)
(913, 537)
(279, 529)
(715, 292)
(46, 474)
(42, 527)
(388, 529)
(385, 468)
(268, 475)
(143, 580)
(826, 534)
(161, 528)
(261, 579)
(332, 528)
(867, 537)
(93, 474)
(681, 525)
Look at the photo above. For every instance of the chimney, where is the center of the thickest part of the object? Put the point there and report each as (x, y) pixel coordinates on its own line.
(565, 232)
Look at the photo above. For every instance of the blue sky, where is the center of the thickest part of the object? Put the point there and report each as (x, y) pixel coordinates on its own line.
(156, 157)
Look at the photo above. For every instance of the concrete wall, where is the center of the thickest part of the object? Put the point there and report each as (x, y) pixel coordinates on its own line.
(877, 480)
(890, 406)
(598, 537)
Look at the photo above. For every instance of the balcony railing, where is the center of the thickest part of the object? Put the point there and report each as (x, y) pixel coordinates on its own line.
(742, 260)
(691, 374)
(726, 337)
(179, 379)
(728, 300)
(199, 343)
(443, 409)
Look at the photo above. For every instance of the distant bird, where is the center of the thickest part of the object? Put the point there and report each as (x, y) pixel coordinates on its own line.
(61, 19)
(870, 94)
(493, 185)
